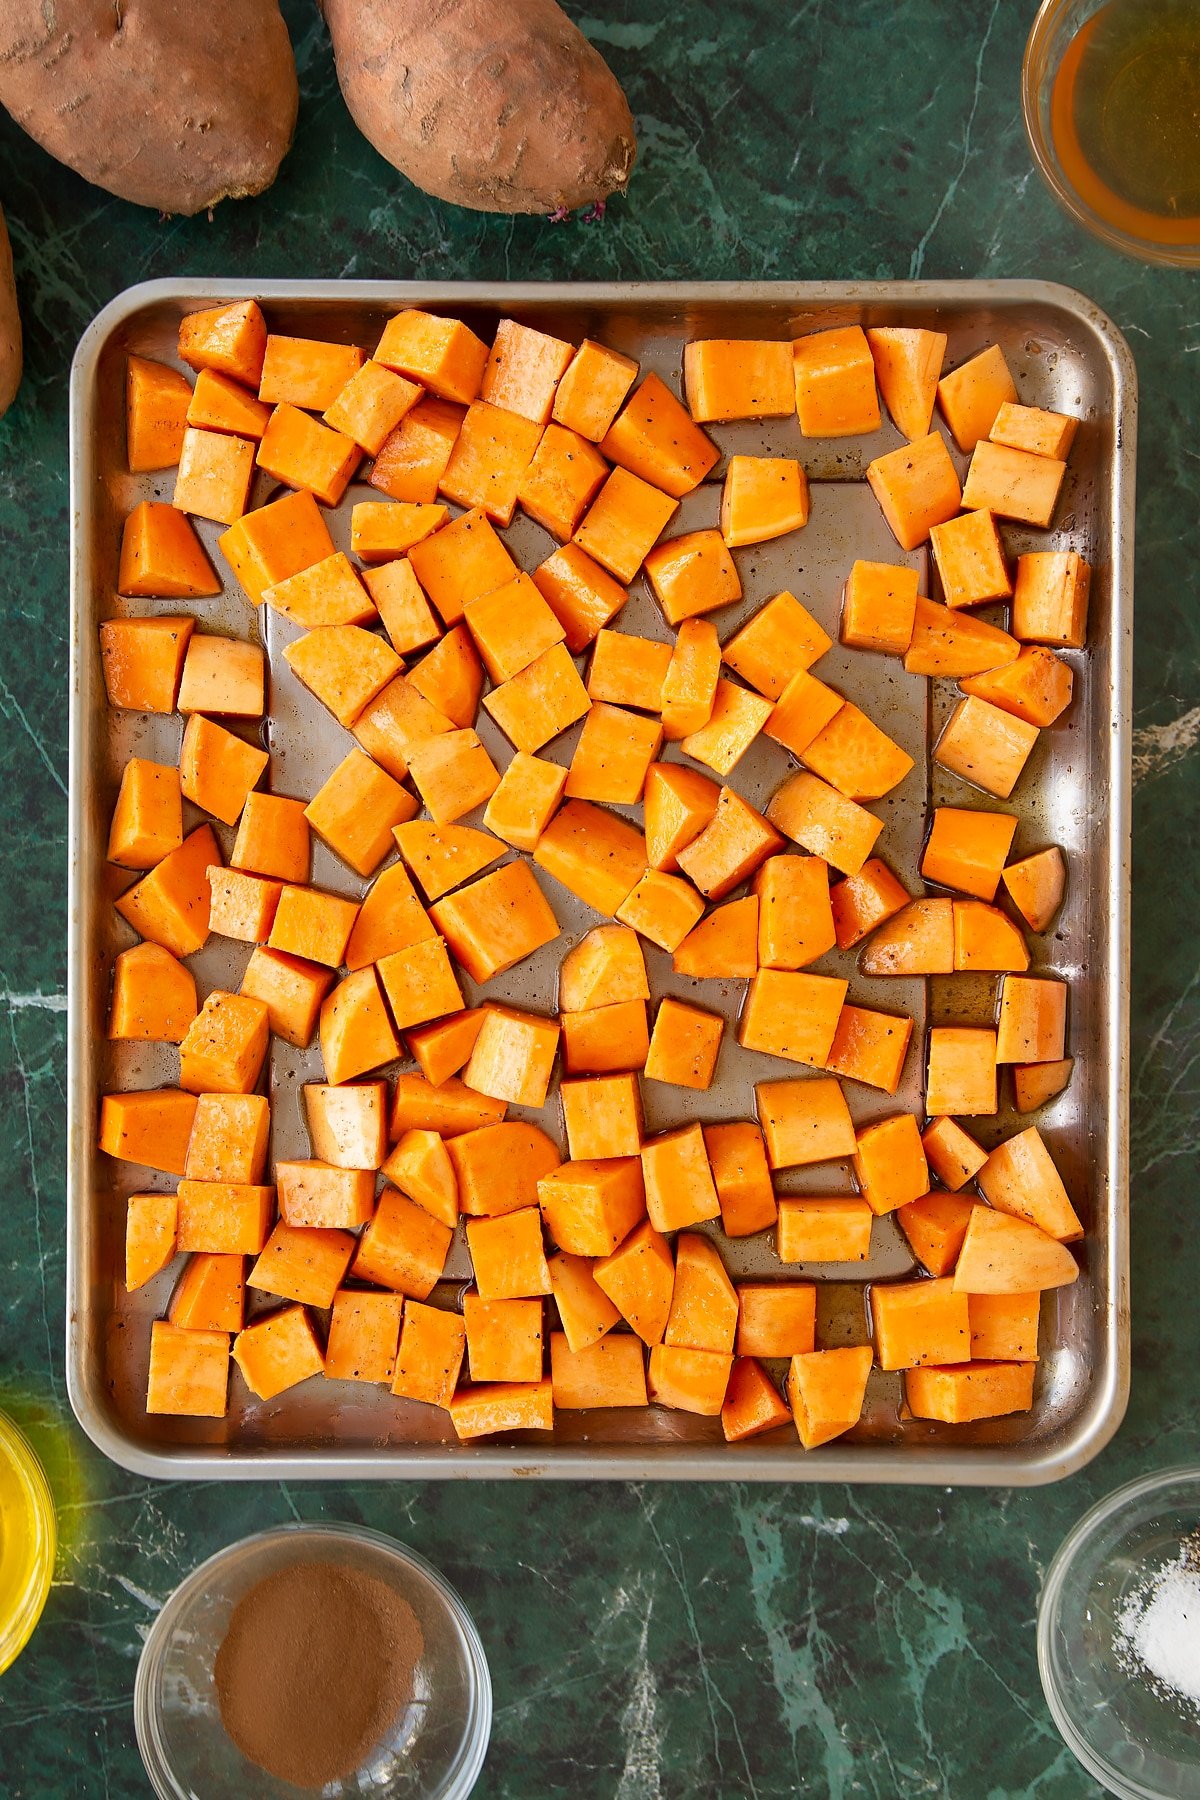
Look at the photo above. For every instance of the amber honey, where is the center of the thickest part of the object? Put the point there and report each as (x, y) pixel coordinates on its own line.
(1125, 117)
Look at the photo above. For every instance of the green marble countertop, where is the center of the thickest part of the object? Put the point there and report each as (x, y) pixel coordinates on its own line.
(646, 1642)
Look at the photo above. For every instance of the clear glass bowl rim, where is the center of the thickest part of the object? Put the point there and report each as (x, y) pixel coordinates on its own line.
(1033, 65)
(1121, 1499)
(477, 1730)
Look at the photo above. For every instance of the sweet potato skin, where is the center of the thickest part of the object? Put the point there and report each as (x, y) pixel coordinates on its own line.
(10, 326)
(214, 90)
(498, 105)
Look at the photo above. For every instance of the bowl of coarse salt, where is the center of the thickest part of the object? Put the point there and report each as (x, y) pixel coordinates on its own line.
(1119, 1638)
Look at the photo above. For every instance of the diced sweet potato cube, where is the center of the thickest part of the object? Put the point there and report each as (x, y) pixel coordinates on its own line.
(561, 481)
(1034, 429)
(230, 1135)
(443, 354)
(804, 1121)
(764, 497)
(150, 1222)
(430, 1354)
(507, 1255)
(1004, 1327)
(412, 459)
(870, 1047)
(825, 1391)
(593, 388)
(230, 1218)
(494, 923)
(856, 757)
(664, 908)
(908, 362)
(231, 339)
(879, 605)
(623, 523)
(1013, 483)
(985, 746)
(143, 662)
(608, 1373)
(688, 693)
(863, 902)
(460, 563)
(364, 1330)
(917, 940)
(970, 559)
(242, 906)
(215, 472)
(737, 718)
(935, 1226)
(704, 1303)
(639, 1278)
(952, 1153)
(348, 1124)
(1033, 1020)
(403, 1247)
(499, 1166)
(271, 543)
(986, 938)
(654, 438)
(218, 770)
(1037, 687)
(1036, 885)
(738, 378)
(582, 596)
(449, 1109)
(147, 821)
(967, 850)
(775, 1318)
(218, 403)
(1035, 1084)
(513, 1056)
(355, 809)
(153, 996)
(382, 530)
(189, 1371)
(962, 1070)
(919, 1322)
(314, 925)
(356, 1032)
(730, 847)
(489, 459)
(917, 488)
(504, 1338)
(827, 1229)
(344, 666)
(679, 803)
(210, 1294)
(605, 1039)
(523, 804)
(370, 405)
(803, 709)
(613, 754)
(302, 453)
(502, 1406)
(824, 822)
(952, 644)
(420, 983)
(585, 1311)
(223, 675)
(971, 395)
(390, 918)
(596, 855)
(442, 1047)
(753, 1403)
(738, 1160)
(540, 702)
(692, 574)
(889, 1163)
(591, 1207)
(680, 1190)
(1003, 1254)
(421, 1167)
(792, 1015)
(407, 616)
(225, 1046)
(162, 556)
(1050, 601)
(602, 1115)
(156, 404)
(327, 593)
(781, 639)
(835, 383)
(443, 856)
(975, 1390)
(292, 991)
(606, 966)
(278, 1352)
(689, 1380)
(301, 1264)
(511, 626)
(523, 370)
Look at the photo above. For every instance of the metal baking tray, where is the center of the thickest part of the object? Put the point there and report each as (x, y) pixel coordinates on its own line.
(1065, 354)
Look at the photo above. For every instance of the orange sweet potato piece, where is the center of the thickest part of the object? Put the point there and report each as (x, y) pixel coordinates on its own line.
(582, 596)
(863, 902)
(229, 1140)
(355, 810)
(692, 574)
(540, 702)
(611, 1372)
(684, 1044)
(596, 855)
(879, 607)
(449, 1108)
(403, 1247)
(592, 390)
(961, 1077)
(753, 1403)
(602, 1115)
(266, 546)
(344, 666)
(364, 1331)
(605, 1039)
(919, 1322)
(229, 1218)
(1004, 1327)
(935, 1226)
(830, 1228)
(736, 720)
(370, 405)
(487, 1408)
(612, 756)
(971, 395)
(498, 1166)
(147, 821)
(222, 675)
(494, 923)
(348, 1124)
(952, 644)
(443, 354)
(528, 795)
(792, 1015)
(970, 559)
(218, 403)
(664, 908)
(189, 1371)
(804, 1121)
(153, 996)
(430, 1353)
(301, 1264)
(170, 906)
(356, 1032)
(730, 847)
(390, 918)
(214, 476)
(419, 983)
(1035, 1084)
(795, 921)
(1032, 1026)
(150, 1223)
(1050, 601)
(689, 687)
(889, 1163)
(690, 1380)
(1034, 429)
(824, 822)
(242, 906)
(1036, 885)
(504, 1338)
(738, 378)
(917, 940)
(210, 1294)
(513, 1056)
(420, 1166)
(489, 459)
(985, 746)
(561, 482)
(775, 644)
(162, 556)
(218, 770)
(585, 1311)
(917, 488)
(442, 1047)
(974, 1390)
(623, 523)
(679, 803)
(680, 1190)
(327, 593)
(724, 945)
(231, 339)
(986, 938)
(654, 438)
(302, 453)
(870, 1047)
(775, 1318)
(1002, 1254)
(382, 531)
(967, 850)
(143, 661)
(835, 383)
(292, 991)
(825, 1391)
(156, 404)
(314, 925)
(952, 1153)
(1037, 687)
(908, 362)
(764, 497)
(412, 459)
(639, 1278)
(225, 1046)
(523, 370)
(741, 1176)
(1013, 483)
(507, 1255)
(605, 967)
(591, 1207)
(278, 1351)
(461, 562)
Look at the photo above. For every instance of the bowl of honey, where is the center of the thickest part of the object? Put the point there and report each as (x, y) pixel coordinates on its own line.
(1111, 94)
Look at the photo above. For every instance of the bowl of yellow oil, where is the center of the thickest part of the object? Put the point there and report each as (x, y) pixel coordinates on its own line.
(1111, 94)
(28, 1538)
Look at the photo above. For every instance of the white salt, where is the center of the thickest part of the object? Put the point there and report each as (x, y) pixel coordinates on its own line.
(1158, 1632)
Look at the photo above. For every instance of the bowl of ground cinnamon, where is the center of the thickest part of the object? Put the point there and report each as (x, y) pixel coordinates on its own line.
(313, 1659)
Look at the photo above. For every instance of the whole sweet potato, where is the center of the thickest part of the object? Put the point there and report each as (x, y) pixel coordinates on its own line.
(10, 325)
(174, 104)
(500, 105)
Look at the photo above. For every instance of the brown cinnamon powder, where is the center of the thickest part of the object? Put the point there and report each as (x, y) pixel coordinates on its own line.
(315, 1668)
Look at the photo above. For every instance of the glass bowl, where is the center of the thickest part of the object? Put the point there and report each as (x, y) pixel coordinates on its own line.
(434, 1750)
(28, 1539)
(1091, 203)
(1139, 1743)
